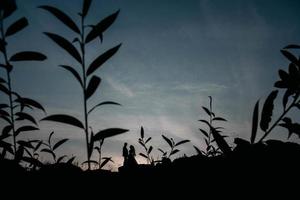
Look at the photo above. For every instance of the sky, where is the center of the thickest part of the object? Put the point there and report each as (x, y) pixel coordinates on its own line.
(174, 55)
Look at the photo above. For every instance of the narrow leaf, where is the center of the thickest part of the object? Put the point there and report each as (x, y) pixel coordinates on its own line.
(254, 122)
(167, 140)
(101, 27)
(219, 119)
(66, 45)
(292, 46)
(102, 59)
(143, 155)
(182, 142)
(4, 89)
(59, 143)
(174, 151)
(25, 128)
(61, 158)
(74, 73)
(289, 56)
(204, 132)
(25, 116)
(64, 18)
(16, 26)
(198, 150)
(267, 111)
(206, 110)
(5, 131)
(85, 7)
(104, 103)
(106, 160)
(30, 102)
(108, 133)
(222, 144)
(66, 119)
(92, 86)
(28, 56)
(148, 140)
(150, 149)
(142, 133)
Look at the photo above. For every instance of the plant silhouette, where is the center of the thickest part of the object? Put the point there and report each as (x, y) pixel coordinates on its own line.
(289, 83)
(172, 144)
(89, 82)
(16, 109)
(143, 142)
(213, 133)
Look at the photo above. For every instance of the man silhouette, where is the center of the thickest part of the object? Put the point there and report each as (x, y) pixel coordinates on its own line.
(125, 154)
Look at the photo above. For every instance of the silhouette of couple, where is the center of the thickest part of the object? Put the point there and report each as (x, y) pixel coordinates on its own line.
(129, 157)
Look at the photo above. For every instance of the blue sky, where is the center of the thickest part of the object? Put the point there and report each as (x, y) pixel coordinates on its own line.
(174, 55)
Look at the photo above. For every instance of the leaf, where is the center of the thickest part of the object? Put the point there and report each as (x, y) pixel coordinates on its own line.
(142, 133)
(50, 136)
(90, 161)
(4, 113)
(50, 152)
(2, 45)
(16, 26)
(254, 122)
(66, 119)
(3, 105)
(206, 110)
(61, 158)
(74, 73)
(28, 56)
(219, 119)
(71, 160)
(167, 140)
(174, 151)
(204, 132)
(92, 86)
(289, 56)
(85, 7)
(150, 149)
(143, 155)
(64, 18)
(292, 46)
(267, 111)
(204, 121)
(104, 103)
(59, 143)
(159, 149)
(182, 142)
(108, 133)
(66, 45)
(30, 102)
(106, 160)
(6, 119)
(25, 128)
(98, 62)
(148, 140)
(8, 7)
(222, 144)
(2, 80)
(101, 27)
(198, 150)
(5, 131)
(4, 89)
(25, 116)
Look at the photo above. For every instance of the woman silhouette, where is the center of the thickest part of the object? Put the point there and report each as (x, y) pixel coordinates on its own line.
(131, 157)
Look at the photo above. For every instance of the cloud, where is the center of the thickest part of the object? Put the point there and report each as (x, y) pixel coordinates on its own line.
(120, 87)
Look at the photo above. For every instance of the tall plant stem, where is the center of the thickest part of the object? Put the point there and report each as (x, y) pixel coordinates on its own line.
(9, 87)
(84, 93)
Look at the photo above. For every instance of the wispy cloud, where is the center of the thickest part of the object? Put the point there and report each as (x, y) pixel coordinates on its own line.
(120, 87)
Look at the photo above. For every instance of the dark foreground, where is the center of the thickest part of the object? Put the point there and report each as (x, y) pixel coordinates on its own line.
(273, 162)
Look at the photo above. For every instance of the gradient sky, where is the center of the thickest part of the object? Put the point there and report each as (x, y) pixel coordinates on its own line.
(175, 54)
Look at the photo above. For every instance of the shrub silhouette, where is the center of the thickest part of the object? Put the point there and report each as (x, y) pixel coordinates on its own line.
(213, 134)
(88, 81)
(289, 83)
(143, 142)
(16, 108)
